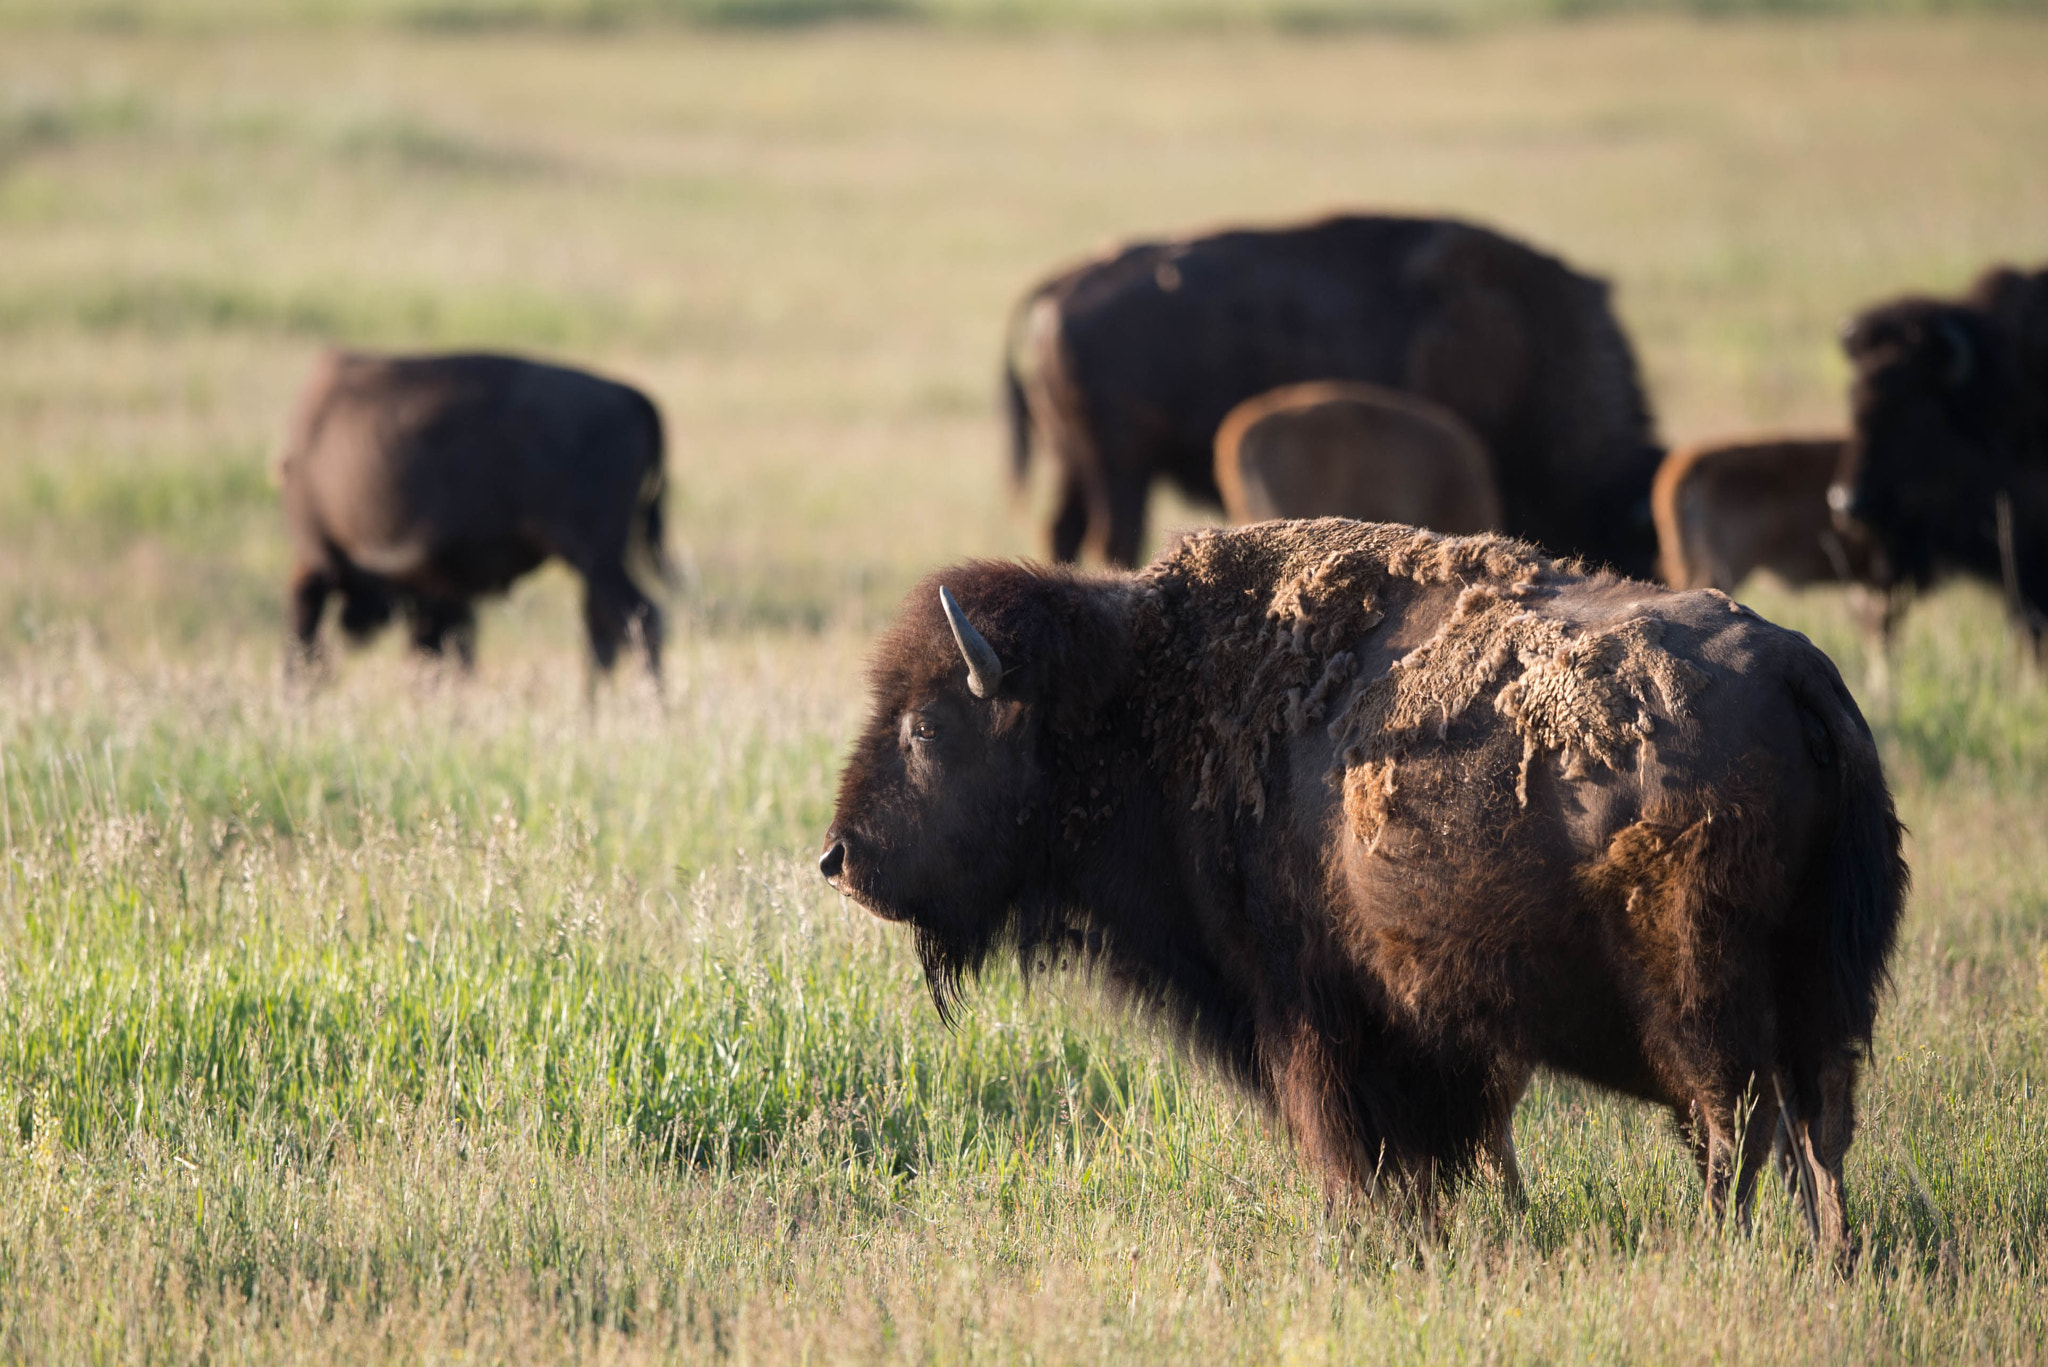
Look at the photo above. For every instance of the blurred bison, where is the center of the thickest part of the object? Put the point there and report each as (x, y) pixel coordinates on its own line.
(1385, 820)
(1334, 448)
(424, 482)
(1725, 510)
(1128, 364)
(1949, 465)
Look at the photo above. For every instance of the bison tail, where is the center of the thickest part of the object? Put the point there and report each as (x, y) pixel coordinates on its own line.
(1019, 411)
(1016, 402)
(654, 493)
(1863, 875)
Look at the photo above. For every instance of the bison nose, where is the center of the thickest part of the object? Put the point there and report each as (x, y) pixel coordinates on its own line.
(833, 860)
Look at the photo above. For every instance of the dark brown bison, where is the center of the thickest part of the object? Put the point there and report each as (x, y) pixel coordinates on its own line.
(424, 482)
(1949, 465)
(1385, 820)
(1127, 365)
(1725, 510)
(1337, 448)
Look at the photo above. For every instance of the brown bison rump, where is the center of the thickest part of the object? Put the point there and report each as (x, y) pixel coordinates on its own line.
(1127, 366)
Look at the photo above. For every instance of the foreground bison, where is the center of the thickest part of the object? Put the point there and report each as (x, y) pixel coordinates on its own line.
(1337, 448)
(1127, 365)
(1386, 820)
(1949, 466)
(424, 482)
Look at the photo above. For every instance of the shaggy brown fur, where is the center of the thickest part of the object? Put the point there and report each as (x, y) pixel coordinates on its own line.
(1127, 365)
(1386, 820)
(425, 482)
(1346, 449)
(1949, 465)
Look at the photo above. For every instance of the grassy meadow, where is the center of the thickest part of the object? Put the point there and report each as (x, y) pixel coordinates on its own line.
(422, 1018)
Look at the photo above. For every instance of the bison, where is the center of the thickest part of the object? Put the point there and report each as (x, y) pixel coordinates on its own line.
(424, 482)
(1949, 464)
(1127, 365)
(1347, 449)
(1725, 510)
(1384, 820)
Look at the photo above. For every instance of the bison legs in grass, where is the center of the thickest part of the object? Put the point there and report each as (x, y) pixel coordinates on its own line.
(438, 623)
(614, 608)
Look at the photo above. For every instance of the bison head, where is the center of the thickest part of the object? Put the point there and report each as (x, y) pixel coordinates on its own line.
(1923, 466)
(948, 806)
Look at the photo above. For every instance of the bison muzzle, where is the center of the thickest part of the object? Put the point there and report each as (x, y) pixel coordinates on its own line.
(1386, 820)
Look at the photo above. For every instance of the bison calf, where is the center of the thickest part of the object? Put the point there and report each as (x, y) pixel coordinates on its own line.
(425, 482)
(1386, 820)
(1725, 510)
(1337, 449)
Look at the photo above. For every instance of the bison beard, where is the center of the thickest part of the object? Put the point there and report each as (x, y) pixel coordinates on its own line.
(1386, 820)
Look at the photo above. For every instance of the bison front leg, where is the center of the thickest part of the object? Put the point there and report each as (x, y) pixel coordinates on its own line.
(1313, 1102)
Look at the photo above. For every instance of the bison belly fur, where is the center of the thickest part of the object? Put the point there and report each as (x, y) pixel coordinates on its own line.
(1386, 820)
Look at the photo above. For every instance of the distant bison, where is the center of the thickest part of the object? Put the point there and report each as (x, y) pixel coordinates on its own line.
(1334, 448)
(1128, 364)
(1725, 510)
(1385, 820)
(1949, 466)
(423, 482)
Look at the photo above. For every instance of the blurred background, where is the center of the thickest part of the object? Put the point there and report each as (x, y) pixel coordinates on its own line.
(802, 238)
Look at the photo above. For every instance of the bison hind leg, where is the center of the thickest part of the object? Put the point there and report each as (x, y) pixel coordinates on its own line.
(1819, 1109)
(1733, 1131)
(614, 609)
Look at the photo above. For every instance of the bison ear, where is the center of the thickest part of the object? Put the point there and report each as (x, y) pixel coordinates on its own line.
(984, 666)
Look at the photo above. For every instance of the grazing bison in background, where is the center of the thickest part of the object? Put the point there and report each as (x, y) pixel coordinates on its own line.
(1128, 364)
(1949, 465)
(424, 482)
(1386, 820)
(1337, 448)
(1727, 509)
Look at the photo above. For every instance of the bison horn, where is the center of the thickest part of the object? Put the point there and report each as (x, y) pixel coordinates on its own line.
(984, 669)
(1960, 356)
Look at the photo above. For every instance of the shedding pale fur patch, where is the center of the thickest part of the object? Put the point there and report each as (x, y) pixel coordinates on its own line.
(1589, 699)
(1253, 633)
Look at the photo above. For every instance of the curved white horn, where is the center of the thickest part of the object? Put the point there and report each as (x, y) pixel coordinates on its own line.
(984, 669)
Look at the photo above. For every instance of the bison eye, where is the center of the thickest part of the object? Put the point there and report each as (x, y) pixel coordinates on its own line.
(922, 729)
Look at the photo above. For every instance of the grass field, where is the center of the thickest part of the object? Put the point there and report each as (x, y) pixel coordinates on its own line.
(423, 1018)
